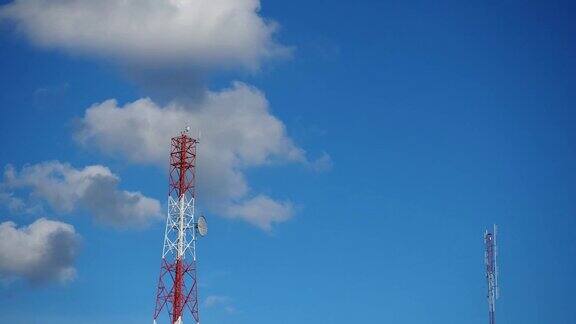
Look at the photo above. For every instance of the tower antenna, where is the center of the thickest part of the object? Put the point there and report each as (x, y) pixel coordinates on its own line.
(490, 257)
(178, 285)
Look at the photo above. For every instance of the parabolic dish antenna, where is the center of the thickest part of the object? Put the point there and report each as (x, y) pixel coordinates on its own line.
(202, 226)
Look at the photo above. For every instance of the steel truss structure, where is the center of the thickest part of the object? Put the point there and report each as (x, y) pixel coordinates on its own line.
(178, 285)
(491, 272)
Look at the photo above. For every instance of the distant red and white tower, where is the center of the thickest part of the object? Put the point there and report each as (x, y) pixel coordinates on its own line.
(491, 272)
(177, 290)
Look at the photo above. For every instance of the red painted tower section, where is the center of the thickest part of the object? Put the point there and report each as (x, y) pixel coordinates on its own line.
(177, 286)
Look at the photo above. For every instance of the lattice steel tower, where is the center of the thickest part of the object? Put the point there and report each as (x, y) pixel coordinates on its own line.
(178, 285)
(491, 272)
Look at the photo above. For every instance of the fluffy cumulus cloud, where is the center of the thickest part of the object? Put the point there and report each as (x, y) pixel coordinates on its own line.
(160, 42)
(151, 32)
(237, 132)
(64, 189)
(261, 211)
(41, 252)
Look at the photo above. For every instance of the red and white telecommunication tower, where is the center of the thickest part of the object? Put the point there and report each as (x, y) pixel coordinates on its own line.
(178, 285)
(491, 272)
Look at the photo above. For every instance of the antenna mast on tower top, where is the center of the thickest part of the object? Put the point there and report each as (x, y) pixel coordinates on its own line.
(491, 272)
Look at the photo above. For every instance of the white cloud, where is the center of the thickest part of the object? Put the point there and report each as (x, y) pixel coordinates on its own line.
(214, 300)
(238, 132)
(14, 204)
(261, 211)
(168, 45)
(321, 164)
(224, 302)
(151, 33)
(41, 252)
(66, 189)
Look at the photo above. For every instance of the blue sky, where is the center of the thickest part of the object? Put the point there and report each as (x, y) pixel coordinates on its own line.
(439, 119)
